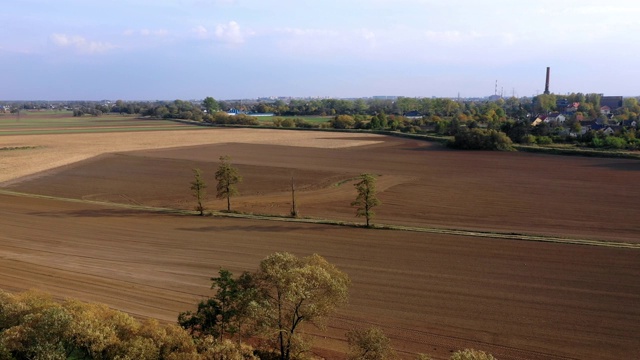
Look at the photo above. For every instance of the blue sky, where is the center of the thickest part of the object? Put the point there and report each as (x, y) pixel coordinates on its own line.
(229, 49)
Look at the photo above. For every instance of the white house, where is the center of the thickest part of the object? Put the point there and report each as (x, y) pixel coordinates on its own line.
(555, 118)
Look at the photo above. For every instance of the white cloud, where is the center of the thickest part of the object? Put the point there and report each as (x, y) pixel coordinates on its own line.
(451, 36)
(601, 10)
(231, 33)
(200, 31)
(159, 32)
(81, 44)
(369, 37)
(146, 32)
(310, 32)
(509, 39)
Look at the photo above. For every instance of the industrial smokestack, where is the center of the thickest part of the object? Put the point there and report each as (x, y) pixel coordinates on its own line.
(546, 85)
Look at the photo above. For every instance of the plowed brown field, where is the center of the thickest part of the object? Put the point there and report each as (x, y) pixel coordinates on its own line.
(431, 293)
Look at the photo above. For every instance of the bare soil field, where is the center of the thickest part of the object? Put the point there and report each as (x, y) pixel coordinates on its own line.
(420, 183)
(430, 293)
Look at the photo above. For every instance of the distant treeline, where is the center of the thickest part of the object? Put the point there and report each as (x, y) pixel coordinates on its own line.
(515, 118)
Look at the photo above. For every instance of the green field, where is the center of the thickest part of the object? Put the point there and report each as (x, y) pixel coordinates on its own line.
(56, 122)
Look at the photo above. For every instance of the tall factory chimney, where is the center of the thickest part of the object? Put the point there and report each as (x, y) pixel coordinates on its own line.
(546, 85)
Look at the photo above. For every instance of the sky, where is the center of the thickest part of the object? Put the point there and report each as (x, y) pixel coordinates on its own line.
(233, 49)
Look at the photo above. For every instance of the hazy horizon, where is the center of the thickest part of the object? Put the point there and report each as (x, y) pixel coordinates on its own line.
(240, 49)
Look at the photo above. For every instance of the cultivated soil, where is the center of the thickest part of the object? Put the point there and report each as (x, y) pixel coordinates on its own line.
(431, 293)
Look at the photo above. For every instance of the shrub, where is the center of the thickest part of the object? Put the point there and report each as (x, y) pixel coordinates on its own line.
(480, 139)
(288, 123)
(223, 118)
(369, 344)
(471, 354)
(33, 326)
(277, 121)
(301, 123)
(342, 122)
(614, 142)
(543, 140)
(528, 139)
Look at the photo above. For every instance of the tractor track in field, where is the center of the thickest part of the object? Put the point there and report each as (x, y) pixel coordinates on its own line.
(443, 231)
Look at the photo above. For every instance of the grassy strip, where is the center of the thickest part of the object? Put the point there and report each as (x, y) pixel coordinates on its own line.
(94, 130)
(11, 148)
(578, 152)
(443, 231)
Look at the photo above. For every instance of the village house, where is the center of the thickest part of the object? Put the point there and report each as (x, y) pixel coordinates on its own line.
(572, 108)
(555, 118)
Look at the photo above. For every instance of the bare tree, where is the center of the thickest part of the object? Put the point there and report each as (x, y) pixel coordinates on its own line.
(294, 209)
(198, 187)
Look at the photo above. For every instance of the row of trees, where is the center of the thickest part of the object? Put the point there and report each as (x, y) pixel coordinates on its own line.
(479, 110)
(227, 179)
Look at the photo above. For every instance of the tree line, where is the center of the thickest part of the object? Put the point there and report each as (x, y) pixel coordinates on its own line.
(510, 108)
(228, 177)
(439, 116)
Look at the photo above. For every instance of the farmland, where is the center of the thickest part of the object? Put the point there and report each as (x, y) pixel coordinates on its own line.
(63, 122)
(85, 230)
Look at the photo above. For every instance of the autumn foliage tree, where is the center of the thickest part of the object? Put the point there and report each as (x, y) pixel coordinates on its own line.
(471, 354)
(34, 326)
(273, 303)
(369, 344)
(296, 291)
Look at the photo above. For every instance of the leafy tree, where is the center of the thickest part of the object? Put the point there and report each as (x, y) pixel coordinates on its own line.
(424, 357)
(234, 298)
(33, 326)
(544, 103)
(227, 177)
(369, 344)
(516, 131)
(471, 354)
(288, 123)
(297, 290)
(228, 312)
(198, 187)
(481, 139)
(342, 122)
(379, 121)
(366, 199)
(214, 349)
(211, 105)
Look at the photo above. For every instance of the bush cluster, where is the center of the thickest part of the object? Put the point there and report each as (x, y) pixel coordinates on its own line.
(481, 139)
(34, 326)
(222, 118)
